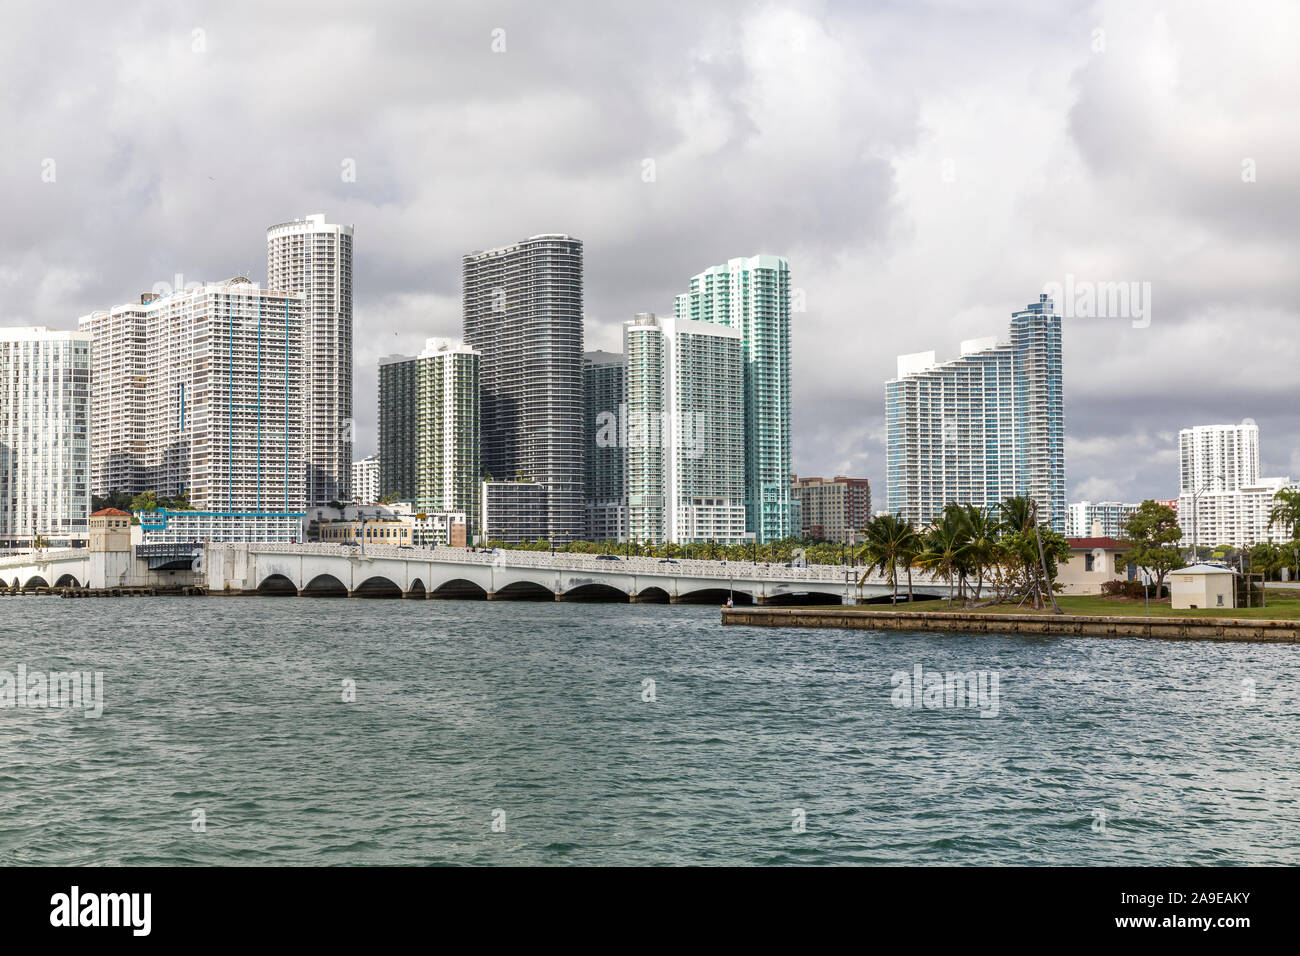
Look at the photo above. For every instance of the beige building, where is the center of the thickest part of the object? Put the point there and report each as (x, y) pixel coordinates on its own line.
(109, 530)
(1092, 562)
(1202, 585)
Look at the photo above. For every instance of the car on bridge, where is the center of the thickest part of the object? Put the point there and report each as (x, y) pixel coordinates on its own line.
(608, 557)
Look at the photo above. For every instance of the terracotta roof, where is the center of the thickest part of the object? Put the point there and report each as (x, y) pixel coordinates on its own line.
(1090, 544)
(114, 512)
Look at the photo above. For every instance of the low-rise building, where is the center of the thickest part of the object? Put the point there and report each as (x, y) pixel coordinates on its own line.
(179, 527)
(514, 511)
(1201, 586)
(397, 523)
(365, 480)
(1098, 519)
(1093, 562)
(832, 509)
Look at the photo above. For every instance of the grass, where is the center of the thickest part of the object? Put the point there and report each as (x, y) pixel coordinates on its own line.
(1283, 605)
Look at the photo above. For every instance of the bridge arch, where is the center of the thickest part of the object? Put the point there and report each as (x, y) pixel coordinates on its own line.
(716, 596)
(652, 595)
(801, 599)
(67, 581)
(377, 587)
(325, 585)
(458, 589)
(416, 590)
(597, 592)
(277, 585)
(35, 581)
(524, 591)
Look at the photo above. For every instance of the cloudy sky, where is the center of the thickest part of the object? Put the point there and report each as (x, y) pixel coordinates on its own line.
(926, 168)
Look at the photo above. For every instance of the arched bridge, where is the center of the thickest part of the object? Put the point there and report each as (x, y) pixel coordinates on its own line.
(328, 570)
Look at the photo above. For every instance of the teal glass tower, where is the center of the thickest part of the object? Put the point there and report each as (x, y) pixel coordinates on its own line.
(753, 296)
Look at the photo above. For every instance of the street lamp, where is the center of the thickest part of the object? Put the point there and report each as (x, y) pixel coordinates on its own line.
(1195, 541)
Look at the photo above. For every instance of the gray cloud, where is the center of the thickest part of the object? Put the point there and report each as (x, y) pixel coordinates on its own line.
(926, 169)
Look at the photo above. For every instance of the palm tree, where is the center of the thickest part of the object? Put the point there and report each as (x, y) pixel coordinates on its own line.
(944, 550)
(1019, 517)
(890, 542)
(983, 546)
(1287, 510)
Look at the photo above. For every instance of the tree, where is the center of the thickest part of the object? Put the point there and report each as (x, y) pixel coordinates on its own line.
(983, 547)
(943, 550)
(1153, 534)
(891, 541)
(1032, 549)
(145, 501)
(1286, 511)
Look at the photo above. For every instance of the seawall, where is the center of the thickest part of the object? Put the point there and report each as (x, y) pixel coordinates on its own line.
(1063, 625)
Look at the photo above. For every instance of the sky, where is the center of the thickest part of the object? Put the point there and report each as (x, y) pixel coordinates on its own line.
(926, 168)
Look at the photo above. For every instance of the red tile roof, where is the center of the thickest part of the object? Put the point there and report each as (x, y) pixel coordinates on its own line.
(1090, 544)
(114, 512)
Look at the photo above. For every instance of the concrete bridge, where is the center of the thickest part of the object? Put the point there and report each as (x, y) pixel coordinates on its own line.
(321, 570)
(379, 571)
(144, 566)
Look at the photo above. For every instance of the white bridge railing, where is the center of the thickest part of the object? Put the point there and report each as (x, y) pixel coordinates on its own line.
(832, 574)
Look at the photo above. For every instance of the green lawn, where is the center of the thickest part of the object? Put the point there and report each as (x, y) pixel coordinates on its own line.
(1282, 606)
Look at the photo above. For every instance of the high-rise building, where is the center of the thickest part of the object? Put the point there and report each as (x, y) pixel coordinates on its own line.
(314, 258)
(523, 313)
(1221, 497)
(1218, 458)
(685, 428)
(199, 391)
(983, 427)
(397, 411)
(429, 429)
(753, 296)
(604, 382)
(365, 480)
(44, 437)
(832, 509)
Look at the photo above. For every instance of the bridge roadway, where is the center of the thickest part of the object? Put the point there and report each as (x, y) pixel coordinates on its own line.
(388, 571)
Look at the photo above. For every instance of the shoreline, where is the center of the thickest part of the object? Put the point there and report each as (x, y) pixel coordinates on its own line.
(1063, 625)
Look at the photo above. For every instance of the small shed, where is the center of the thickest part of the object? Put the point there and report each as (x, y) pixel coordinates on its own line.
(1203, 585)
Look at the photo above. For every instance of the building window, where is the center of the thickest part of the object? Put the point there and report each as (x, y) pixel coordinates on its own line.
(1088, 562)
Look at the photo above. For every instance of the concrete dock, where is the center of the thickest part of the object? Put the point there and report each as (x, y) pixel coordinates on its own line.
(1062, 625)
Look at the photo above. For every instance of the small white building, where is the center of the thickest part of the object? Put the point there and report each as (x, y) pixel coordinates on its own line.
(1201, 586)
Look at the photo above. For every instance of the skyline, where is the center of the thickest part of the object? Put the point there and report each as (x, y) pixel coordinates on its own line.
(992, 176)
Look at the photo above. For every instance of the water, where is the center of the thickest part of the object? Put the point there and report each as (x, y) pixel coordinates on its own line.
(1103, 751)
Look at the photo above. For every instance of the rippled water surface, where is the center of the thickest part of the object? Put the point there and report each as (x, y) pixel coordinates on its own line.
(1102, 751)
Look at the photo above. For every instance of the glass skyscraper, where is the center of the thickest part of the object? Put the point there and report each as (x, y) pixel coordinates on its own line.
(753, 296)
(983, 427)
(604, 380)
(523, 312)
(429, 429)
(685, 431)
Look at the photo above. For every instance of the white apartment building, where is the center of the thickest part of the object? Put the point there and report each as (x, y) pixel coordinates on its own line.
(44, 437)
(684, 431)
(182, 527)
(1098, 519)
(365, 480)
(1222, 499)
(314, 258)
(983, 427)
(200, 391)
(1218, 458)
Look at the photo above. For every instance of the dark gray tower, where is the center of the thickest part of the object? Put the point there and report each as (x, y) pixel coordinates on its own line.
(523, 312)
